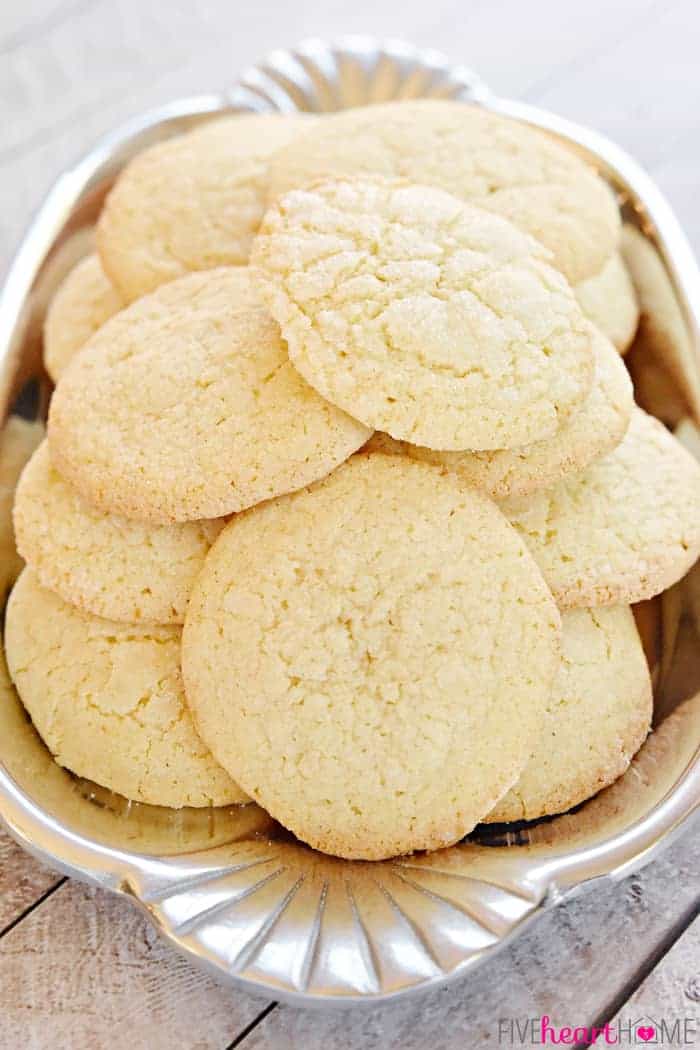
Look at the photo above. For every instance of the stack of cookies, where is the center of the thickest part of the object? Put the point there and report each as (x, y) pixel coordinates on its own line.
(345, 497)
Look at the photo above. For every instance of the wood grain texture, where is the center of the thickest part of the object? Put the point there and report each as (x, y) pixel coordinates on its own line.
(672, 990)
(83, 968)
(22, 880)
(571, 965)
(87, 970)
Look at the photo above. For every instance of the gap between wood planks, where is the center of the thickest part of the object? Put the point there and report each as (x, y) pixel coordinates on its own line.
(662, 949)
(31, 907)
(249, 1027)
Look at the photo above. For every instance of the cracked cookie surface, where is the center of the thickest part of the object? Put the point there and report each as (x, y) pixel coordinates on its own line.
(597, 717)
(422, 316)
(597, 428)
(499, 164)
(353, 652)
(107, 699)
(192, 202)
(185, 406)
(82, 303)
(621, 531)
(113, 567)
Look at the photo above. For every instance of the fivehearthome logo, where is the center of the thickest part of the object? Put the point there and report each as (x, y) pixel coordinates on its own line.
(640, 1031)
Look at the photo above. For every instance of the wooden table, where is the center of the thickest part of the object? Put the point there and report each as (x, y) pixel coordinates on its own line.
(80, 968)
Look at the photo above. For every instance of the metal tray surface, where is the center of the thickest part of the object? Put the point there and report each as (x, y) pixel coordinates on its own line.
(228, 887)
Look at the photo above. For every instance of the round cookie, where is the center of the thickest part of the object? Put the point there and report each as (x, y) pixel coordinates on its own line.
(502, 165)
(623, 530)
(18, 440)
(83, 302)
(422, 316)
(609, 300)
(192, 202)
(107, 700)
(597, 718)
(185, 406)
(370, 658)
(596, 429)
(113, 567)
(70, 250)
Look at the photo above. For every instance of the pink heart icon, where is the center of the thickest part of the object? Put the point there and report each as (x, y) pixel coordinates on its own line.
(646, 1033)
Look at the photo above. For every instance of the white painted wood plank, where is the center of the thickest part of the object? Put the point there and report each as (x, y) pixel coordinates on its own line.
(20, 24)
(644, 93)
(22, 880)
(671, 992)
(85, 969)
(642, 88)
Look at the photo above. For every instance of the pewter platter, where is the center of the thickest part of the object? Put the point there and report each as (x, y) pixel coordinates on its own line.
(227, 887)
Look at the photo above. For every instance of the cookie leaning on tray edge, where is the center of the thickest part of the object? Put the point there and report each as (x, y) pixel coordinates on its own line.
(345, 497)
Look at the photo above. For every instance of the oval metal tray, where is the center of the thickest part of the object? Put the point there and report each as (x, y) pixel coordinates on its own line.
(227, 887)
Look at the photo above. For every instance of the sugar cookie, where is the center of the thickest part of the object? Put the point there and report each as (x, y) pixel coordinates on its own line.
(505, 166)
(185, 406)
(422, 316)
(623, 530)
(113, 567)
(192, 202)
(83, 302)
(107, 700)
(372, 657)
(598, 716)
(596, 429)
